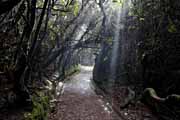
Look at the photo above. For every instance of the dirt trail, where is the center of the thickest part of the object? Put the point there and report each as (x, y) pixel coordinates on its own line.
(80, 102)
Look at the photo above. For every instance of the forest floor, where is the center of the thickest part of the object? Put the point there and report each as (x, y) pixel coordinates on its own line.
(79, 101)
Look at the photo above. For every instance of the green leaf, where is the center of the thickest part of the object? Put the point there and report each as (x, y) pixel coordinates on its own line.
(141, 19)
(76, 8)
(118, 2)
(171, 27)
(63, 2)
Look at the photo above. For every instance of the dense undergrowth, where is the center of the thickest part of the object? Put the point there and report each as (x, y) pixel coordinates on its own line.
(148, 55)
(40, 108)
(44, 101)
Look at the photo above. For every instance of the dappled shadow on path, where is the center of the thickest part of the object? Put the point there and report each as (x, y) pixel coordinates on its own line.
(79, 101)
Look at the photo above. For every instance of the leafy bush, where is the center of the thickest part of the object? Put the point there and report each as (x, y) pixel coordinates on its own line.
(40, 108)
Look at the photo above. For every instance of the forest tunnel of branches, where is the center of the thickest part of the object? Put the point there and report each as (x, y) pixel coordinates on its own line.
(133, 46)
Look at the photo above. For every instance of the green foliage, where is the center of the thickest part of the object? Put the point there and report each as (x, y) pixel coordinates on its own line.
(40, 3)
(141, 19)
(40, 108)
(109, 40)
(118, 3)
(76, 8)
(70, 6)
(159, 28)
(171, 27)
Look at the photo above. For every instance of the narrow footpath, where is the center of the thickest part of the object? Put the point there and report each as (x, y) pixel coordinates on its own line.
(80, 102)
